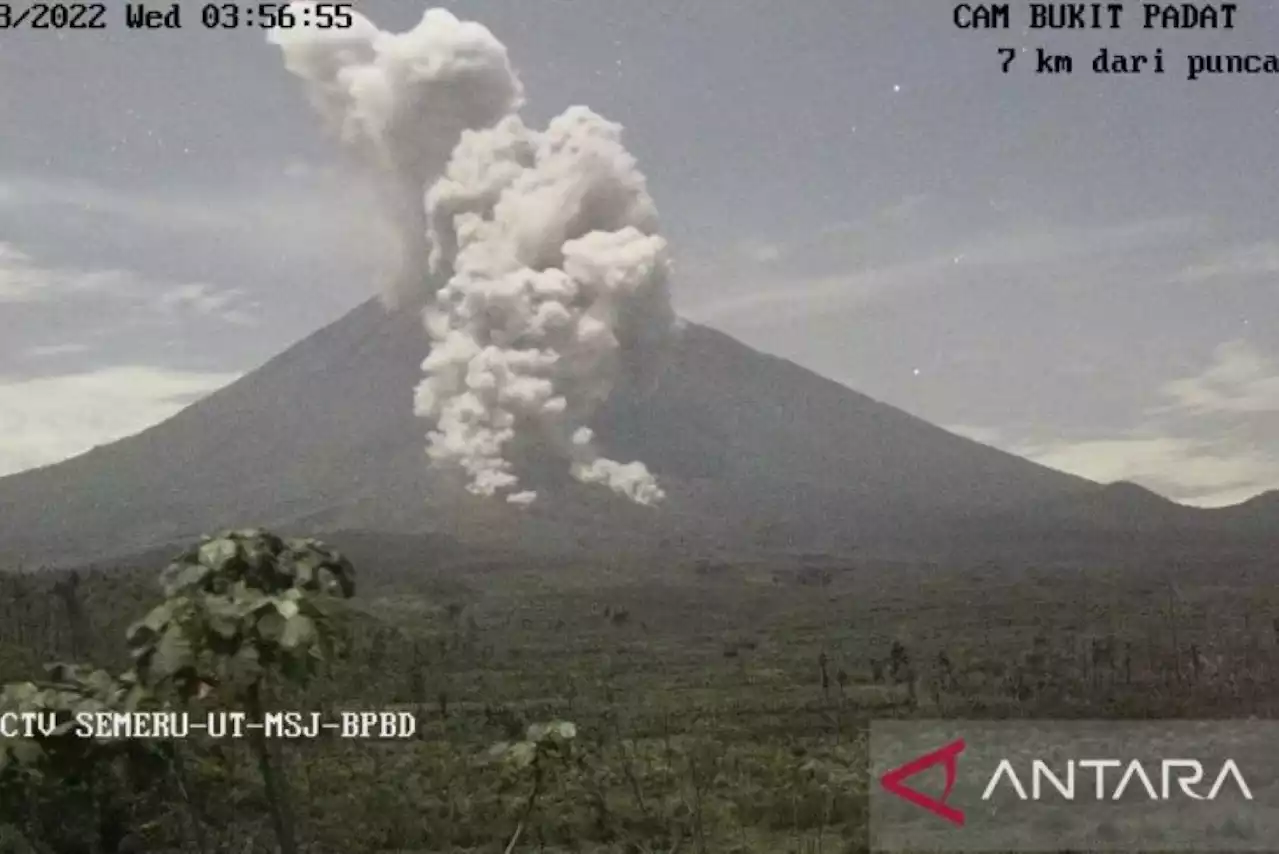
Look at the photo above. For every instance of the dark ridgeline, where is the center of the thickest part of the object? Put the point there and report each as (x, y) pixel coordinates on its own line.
(753, 450)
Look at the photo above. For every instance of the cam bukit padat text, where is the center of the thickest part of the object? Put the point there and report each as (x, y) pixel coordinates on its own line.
(1096, 16)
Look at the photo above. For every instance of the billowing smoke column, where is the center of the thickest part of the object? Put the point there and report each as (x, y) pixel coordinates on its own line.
(555, 268)
(401, 101)
(555, 282)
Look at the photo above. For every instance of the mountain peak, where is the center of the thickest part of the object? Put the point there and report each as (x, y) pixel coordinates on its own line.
(323, 437)
(1126, 491)
(1268, 499)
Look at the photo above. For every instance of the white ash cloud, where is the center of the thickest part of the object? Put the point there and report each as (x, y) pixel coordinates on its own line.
(552, 280)
(400, 101)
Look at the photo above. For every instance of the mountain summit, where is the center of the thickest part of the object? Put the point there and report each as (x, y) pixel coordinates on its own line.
(751, 449)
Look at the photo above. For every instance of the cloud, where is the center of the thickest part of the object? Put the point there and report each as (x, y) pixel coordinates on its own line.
(1239, 380)
(759, 251)
(26, 192)
(1203, 435)
(850, 264)
(290, 212)
(47, 419)
(1200, 472)
(1193, 471)
(24, 280)
(45, 351)
(20, 279)
(817, 294)
(269, 206)
(206, 301)
(1209, 447)
(1254, 259)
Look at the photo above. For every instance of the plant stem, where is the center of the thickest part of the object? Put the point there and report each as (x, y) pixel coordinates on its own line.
(194, 812)
(277, 795)
(528, 805)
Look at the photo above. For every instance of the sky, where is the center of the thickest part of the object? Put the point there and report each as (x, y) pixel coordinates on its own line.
(1081, 269)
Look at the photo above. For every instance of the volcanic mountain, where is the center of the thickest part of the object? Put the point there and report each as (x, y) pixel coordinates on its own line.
(752, 450)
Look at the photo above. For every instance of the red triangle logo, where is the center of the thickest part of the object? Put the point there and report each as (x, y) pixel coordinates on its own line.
(946, 756)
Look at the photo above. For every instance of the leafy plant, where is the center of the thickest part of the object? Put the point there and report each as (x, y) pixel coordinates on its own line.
(543, 742)
(239, 606)
(75, 778)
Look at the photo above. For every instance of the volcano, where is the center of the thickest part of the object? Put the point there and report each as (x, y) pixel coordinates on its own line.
(535, 359)
(752, 450)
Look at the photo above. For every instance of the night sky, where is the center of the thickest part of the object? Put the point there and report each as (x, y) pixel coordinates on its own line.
(1078, 268)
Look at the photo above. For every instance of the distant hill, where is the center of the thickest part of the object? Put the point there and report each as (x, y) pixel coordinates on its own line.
(752, 449)
(1260, 511)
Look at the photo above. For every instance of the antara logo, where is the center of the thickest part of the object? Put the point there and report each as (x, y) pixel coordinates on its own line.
(945, 756)
(1189, 773)
(1186, 773)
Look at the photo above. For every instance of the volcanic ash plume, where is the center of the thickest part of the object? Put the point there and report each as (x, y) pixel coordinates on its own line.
(557, 278)
(401, 101)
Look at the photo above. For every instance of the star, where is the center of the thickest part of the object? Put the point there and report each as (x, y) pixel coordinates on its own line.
(897, 87)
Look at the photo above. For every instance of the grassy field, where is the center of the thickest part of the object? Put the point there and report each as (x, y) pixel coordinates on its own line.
(720, 705)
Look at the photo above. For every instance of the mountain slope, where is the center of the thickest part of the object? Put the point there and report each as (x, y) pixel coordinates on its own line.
(323, 437)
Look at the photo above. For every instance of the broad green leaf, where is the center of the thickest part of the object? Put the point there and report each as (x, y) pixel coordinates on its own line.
(271, 625)
(244, 666)
(101, 682)
(158, 617)
(138, 634)
(172, 653)
(223, 606)
(256, 554)
(222, 625)
(189, 576)
(299, 630)
(216, 553)
(18, 695)
(521, 753)
(134, 698)
(288, 608)
(305, 575)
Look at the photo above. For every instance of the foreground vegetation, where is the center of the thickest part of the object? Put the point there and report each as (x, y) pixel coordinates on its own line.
(715, 705)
